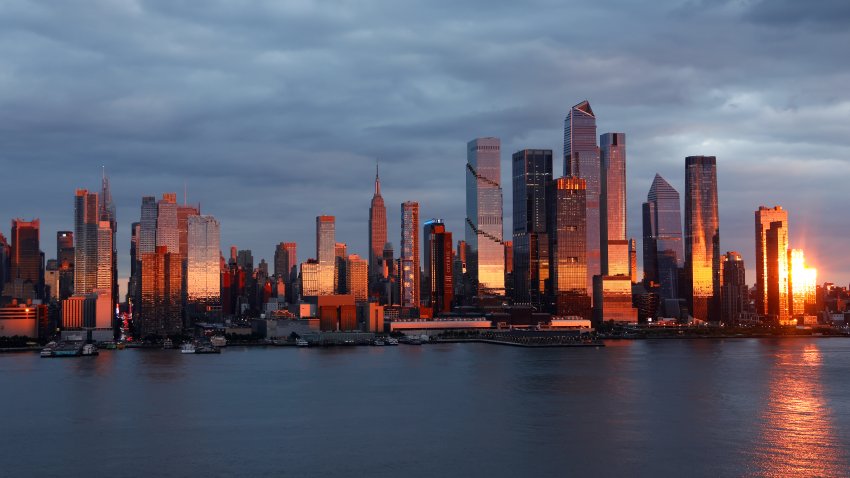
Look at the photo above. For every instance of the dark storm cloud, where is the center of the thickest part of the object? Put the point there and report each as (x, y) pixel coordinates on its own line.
(273, 112)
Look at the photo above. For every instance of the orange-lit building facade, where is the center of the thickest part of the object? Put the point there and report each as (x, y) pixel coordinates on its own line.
(702, 238)
(567, 247)
(326, 253)
(484, 232)
(802, 284)
(771, 262)
(438, 289)
(160, 308)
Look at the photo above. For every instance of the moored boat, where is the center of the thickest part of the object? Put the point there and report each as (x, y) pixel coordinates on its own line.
(301, 342)
(187, 348)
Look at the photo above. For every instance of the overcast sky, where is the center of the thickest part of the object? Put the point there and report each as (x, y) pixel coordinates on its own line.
(273, 112)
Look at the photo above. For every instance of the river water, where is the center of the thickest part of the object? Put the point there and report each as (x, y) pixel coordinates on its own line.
(741, 407)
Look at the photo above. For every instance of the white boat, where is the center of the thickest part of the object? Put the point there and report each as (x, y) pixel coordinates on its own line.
(392, 341)
(187, 348)
(378, 342)
(90, 350)
(301, 342)
(47, 352)
(218, 341)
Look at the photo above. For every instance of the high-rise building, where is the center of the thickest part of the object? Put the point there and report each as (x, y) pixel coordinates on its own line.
(286, 267)
(325, 253)
(733, 293)
(160, 308)
(5, 260)
(566, 209)
(438, 289)
(203, 267)
(357, 277)
(532, 176)
(776, 279)
(104, 258)
(184, 212)
(26, 264)
(486, 256)
(167, 233)
(340, 266)
(310, 286)
(612, 205)
(702, 237)
(147, 226)
(377, 235)
(764, 219)
(581, 159)
(86, 234)
(802, 284)
(662, 239)
(65, 247)
(409, 280)
(633, 261)
(107, 230)
(134, 281)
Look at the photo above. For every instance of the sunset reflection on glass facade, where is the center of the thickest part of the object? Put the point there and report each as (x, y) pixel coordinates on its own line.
(203, 267)
(486, 259)
(702, 237)
(802, 282)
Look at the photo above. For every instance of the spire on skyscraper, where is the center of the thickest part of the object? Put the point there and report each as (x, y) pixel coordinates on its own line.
(377, 180)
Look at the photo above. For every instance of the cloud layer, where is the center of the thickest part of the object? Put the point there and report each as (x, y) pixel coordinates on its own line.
(274, 112)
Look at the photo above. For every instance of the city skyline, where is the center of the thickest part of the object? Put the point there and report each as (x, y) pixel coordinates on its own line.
(767, 121)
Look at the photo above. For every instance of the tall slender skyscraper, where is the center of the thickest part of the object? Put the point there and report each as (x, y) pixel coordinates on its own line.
(532, 176)
(486, 258)
(581, 159)
(567, 247)
(662, 238)
(612, 205)
(86, 230)
(109, 222)
(733, 292)
(702, 237)
(377, 234)
(438, 289)
(325, 253)
(340, 259)
(764, 219)
(802, 284)
(409, 254)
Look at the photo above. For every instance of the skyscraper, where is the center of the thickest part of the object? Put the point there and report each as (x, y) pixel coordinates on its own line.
(776, 281)
(167, 233)
(107, 232)
(377, 234)
(764, 218)
(147, 226)
(486, 256)
(325, 253)
(86, 233)
(633, 261)
(357, 278)
(581, 159)
(662, 238)
(566, 209)
(702, 237)
(104, 260)
(612, 205)
(532, 176)
(286, 267)
(733, 292)
(26, 264)
(409, 254)
(65, 247)
(438, 289)
(159, 311)
(203, 248)
(340, 266)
